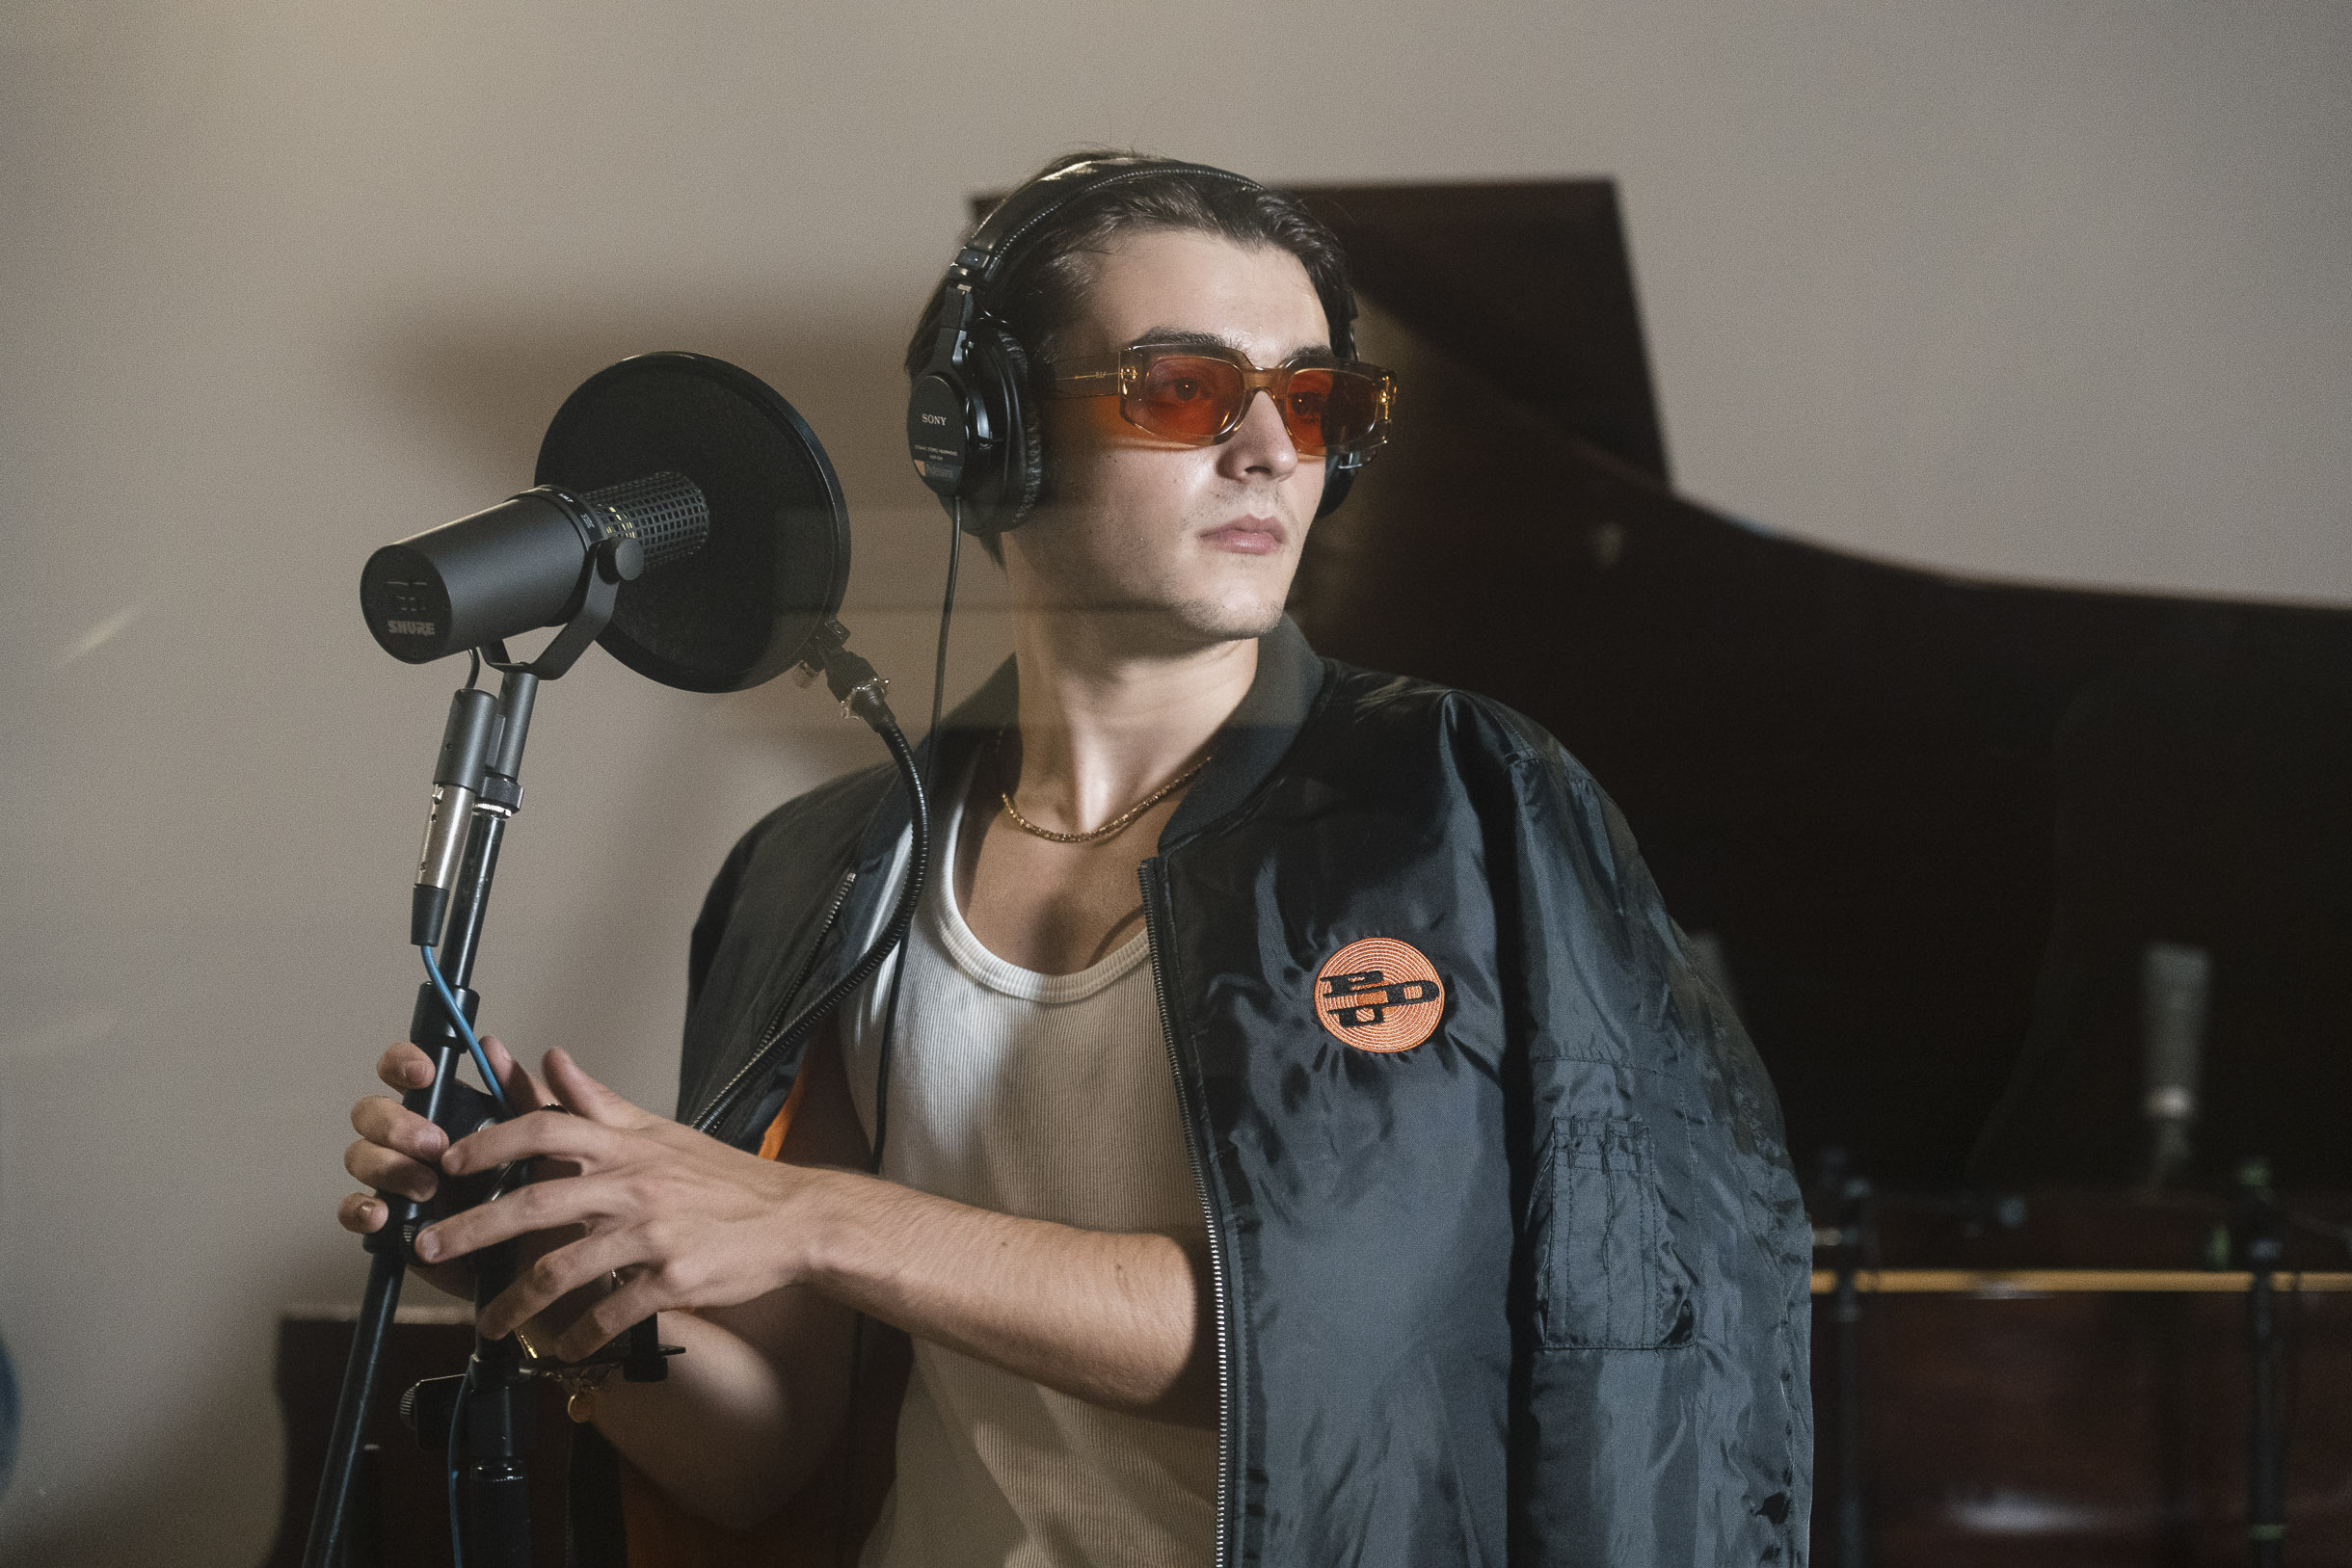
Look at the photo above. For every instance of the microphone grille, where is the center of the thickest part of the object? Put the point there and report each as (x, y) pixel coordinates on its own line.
(665, 513)
(2175, 984)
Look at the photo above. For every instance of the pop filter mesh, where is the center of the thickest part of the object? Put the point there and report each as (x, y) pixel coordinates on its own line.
(740, 610)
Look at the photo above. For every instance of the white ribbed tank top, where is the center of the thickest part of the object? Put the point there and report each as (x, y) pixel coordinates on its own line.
(1050, 1097)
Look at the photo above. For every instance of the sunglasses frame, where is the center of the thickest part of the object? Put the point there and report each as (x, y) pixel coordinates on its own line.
(1118, 375)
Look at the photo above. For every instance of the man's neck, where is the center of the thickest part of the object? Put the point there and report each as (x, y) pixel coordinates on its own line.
(1107, 717)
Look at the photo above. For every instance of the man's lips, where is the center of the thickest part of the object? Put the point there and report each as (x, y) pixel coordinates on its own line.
(1249, 536)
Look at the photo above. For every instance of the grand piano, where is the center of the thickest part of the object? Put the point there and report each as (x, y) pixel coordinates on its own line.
(1925, 828)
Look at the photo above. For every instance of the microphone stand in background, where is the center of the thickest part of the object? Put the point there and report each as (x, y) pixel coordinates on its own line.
(1846, 1206)
(2258, 1232)
(1842, 1230)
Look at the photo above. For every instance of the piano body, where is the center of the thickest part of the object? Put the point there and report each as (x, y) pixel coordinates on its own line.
(1926, 825)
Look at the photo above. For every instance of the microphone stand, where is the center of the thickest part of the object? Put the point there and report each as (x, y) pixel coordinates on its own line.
(478, 773)
(482, 1414)
(457, 1110)
(496, 1432)
(1845, 1200)
(2260, 1226)
(487, 1423)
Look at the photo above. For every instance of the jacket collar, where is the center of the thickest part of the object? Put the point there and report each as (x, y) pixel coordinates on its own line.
(1248, 746)
(1254, 740)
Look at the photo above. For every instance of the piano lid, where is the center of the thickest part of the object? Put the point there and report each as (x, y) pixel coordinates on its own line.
(1928, 823)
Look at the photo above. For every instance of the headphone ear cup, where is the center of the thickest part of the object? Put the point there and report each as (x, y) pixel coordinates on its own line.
(1004, 488)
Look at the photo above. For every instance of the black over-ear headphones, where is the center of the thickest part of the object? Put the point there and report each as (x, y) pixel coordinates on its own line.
(972, 424)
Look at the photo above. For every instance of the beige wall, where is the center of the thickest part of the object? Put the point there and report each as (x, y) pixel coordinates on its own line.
(2056, 292)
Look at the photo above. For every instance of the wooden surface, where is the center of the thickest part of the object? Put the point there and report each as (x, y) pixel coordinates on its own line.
(2084, 1429)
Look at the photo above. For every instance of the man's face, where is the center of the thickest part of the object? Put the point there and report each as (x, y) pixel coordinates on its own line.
(1200, 543)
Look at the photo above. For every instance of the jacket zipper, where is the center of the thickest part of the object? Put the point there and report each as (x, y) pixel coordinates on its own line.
(1151, 874)
(777, 1019)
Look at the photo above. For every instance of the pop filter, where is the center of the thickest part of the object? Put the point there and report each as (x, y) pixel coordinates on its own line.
(740, 610)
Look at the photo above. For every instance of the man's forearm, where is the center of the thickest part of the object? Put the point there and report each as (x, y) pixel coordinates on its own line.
(1114, 1318)
(749, 1410)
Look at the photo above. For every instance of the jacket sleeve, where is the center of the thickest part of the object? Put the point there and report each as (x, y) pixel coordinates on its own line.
(718, 903)
(1661, 1410)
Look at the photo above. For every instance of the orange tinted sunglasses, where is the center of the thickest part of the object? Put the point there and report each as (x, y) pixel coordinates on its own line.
(1196, 395)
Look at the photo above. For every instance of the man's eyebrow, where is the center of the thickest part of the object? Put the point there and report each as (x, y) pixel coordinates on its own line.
(1179, 338)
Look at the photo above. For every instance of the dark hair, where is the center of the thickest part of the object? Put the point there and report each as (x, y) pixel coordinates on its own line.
(1042, 295)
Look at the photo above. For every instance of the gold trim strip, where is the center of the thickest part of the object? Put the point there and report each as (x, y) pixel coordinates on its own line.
(2019, 1282)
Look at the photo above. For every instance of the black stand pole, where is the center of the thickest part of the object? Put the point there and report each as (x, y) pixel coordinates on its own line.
(1844, 1198)
(2260, 1225)
(495, 1435)
(448, 1104)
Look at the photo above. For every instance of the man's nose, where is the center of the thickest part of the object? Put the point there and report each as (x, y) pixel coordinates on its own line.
(1261, 443)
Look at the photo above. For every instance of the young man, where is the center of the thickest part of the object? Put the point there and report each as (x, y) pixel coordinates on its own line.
(1308, 1141)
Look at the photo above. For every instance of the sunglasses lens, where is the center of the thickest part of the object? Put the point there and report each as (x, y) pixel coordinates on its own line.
(1329, 410)
(1184, 397)
(1197, 398)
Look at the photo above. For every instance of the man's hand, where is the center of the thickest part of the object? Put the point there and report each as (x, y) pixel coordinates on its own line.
(684, 1219)
(399, 1151)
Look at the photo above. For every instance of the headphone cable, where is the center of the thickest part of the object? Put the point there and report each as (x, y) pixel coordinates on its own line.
(931, 790)
(889, 1024)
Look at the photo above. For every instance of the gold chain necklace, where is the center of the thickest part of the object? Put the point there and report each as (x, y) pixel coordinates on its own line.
(1106, 829)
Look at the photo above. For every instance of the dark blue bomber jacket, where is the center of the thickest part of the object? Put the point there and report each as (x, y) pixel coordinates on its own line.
(1532, 1289)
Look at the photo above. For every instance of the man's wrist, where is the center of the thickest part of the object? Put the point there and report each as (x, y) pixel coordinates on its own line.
(833, 1214)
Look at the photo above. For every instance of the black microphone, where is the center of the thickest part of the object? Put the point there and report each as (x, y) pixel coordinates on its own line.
(524, 563)
(685, 519)
(2176, 981)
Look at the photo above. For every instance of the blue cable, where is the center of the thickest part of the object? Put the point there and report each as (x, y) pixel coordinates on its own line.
(456, 1016)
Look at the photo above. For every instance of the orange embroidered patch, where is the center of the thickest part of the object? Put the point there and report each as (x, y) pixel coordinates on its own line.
(1379, 995)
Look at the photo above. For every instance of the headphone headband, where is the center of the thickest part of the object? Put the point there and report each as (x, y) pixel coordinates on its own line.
(988, 257)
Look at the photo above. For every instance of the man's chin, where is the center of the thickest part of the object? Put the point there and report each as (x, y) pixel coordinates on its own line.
(1225, 619)
(1184, 627)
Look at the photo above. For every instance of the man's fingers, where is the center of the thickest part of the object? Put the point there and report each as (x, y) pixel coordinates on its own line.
(553, 1277)
(530, 1136)
(391, 1125)
(540, 1207)
(376, 1166)
(405, 1067)
(523, 1091)
(359, 1213)
(584, 1095)
(641, 1297)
